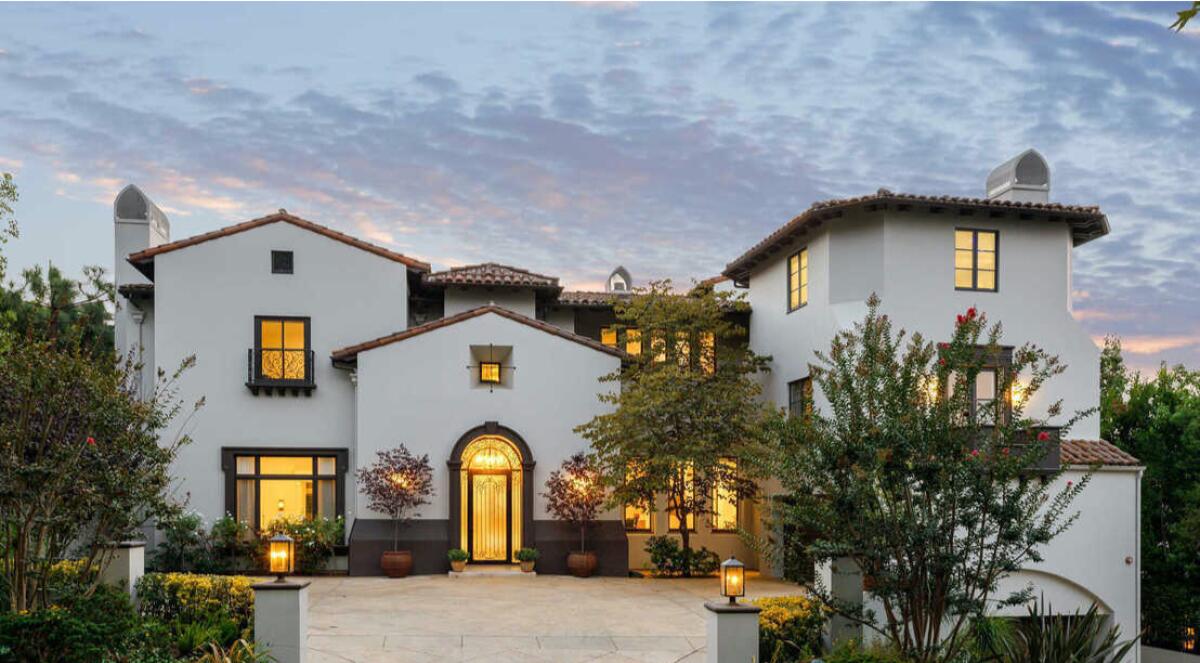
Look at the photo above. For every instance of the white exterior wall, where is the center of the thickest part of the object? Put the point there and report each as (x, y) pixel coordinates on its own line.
(459, 299)
(419, 392)
(908, 260)
(206, 298)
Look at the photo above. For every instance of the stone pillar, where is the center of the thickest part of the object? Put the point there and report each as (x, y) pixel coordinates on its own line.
(281, 619)
(844, 581)
(732, 630)
(127, 564)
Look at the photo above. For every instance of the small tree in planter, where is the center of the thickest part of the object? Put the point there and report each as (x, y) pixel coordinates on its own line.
(575, 493)
(396, 483)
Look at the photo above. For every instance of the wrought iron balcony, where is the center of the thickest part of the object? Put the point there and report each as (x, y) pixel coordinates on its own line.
(1051, 460)
(280, 362)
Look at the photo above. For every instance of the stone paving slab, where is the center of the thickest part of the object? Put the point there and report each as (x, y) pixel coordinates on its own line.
(554, 619)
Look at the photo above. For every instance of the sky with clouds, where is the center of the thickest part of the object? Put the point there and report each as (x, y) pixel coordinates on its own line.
(569, 138)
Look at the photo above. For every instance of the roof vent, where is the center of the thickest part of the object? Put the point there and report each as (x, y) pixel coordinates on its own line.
(1024, 178)
(619, 281)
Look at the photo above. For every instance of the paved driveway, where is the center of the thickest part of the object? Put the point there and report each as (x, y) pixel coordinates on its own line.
(523, 618)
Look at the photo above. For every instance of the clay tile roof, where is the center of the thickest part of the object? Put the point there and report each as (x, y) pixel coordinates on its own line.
(493, 275)
(350, 353)
(1087, 222)
(1095, 452)
(584, 299)
(146, 257)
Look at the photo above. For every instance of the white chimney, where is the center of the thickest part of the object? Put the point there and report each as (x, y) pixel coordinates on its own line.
(138, 224)
(1024, 178)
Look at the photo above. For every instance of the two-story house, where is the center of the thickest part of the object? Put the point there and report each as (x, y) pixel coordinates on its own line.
(315, 349)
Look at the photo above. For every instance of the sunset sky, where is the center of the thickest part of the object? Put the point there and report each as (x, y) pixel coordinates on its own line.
(569, 138)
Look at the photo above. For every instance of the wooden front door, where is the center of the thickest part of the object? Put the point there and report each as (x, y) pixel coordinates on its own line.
(489, 502)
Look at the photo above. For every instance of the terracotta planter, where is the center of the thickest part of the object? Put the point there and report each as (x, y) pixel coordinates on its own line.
(581, 564)
(458, 565)
(527, 567)
(396, 563)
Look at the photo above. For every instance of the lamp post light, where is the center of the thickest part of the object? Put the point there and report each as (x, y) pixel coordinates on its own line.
(733, 579)
(282, 555)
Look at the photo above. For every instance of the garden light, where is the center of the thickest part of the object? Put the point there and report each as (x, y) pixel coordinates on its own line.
(733, 579)
(282, 554)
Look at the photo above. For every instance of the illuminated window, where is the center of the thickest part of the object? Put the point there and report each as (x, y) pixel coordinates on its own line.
(271, 487)
(689, 494)
(800, 397)
(975, 259)
(282, 348)
(708, 353)
(633, 341)
(638, 517)
(683, 349)
(1189, 638)
(798, 279)
(658, 345)
(489, 371)
(725, 501)
(608, 336)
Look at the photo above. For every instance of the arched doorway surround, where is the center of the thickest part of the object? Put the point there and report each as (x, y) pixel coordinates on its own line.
(491, 478)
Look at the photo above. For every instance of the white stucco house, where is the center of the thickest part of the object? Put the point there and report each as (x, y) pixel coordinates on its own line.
(315, 349)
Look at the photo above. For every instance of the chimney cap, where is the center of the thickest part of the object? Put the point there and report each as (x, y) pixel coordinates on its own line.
(1023, 178)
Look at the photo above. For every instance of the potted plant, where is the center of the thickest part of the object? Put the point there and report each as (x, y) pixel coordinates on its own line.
(527, 557)
(395, 484)
(458, 559)
(574, 494)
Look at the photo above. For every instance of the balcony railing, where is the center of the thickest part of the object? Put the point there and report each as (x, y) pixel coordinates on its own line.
(257, 382)
(1051, 460)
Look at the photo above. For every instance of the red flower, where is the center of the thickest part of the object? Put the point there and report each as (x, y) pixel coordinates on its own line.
(971, 313)
(941, 362)
(91, 441)
(1070, 483)
(974, 453)
(960, 319)
(1004, 451)
(1043, 436)
(943, 346)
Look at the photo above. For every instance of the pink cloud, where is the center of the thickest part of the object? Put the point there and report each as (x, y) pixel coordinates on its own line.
(1148, 344)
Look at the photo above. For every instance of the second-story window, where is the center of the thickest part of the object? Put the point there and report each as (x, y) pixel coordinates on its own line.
(975, 254)
(282, 349)
(800, 397)
(798, 279)
(282, 262)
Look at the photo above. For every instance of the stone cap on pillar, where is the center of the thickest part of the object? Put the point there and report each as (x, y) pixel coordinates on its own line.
(128, 544)
(732, 607)
(285, 585)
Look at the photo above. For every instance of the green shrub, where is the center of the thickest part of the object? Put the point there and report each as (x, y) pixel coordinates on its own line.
(194, 598)
(241, 651)
(232, 545)
(789, 628)
(184, 544)
(853, 652)
(528, 555)
(457, 555)
(670, 559)
(85, 628)
(1045, 637)
(315, 539)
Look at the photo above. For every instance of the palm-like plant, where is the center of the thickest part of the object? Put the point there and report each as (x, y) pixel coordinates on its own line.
(1048, 638)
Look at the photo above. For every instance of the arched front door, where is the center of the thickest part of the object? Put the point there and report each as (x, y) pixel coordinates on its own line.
(492, 498)
(491, 493)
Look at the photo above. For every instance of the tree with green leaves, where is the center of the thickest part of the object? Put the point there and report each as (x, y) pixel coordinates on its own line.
(686, 416)
(925, 488)
(1183, 17)
(1157, 419)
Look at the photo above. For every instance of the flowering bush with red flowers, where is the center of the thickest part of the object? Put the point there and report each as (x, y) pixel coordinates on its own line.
(918, 481)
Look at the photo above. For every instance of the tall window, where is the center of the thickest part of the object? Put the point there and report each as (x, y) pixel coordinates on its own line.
(689, 492)
(633, 339)
(638, 517)
(272, 486)
(798, 279)
(708, 353)
(282, 349)
(725, 502)
(975, 259)
(800, 397)
(608, 336)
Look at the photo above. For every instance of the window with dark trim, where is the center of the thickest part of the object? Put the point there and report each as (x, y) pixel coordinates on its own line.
(976, 259)
(265, 485)
(282, 354)
(797, 279)
(689, 491)
(282, 262)
(725, 502)
(800, 397)
(639, 517)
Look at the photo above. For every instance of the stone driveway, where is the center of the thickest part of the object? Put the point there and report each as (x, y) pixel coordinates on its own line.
(523, 618)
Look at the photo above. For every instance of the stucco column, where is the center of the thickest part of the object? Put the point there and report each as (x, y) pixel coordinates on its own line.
(732, 633)
(281, 619)
(127, 565)
(844, 581)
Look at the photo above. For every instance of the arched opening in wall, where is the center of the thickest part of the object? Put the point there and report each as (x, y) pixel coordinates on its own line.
(491, 494)
(1060, 595)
